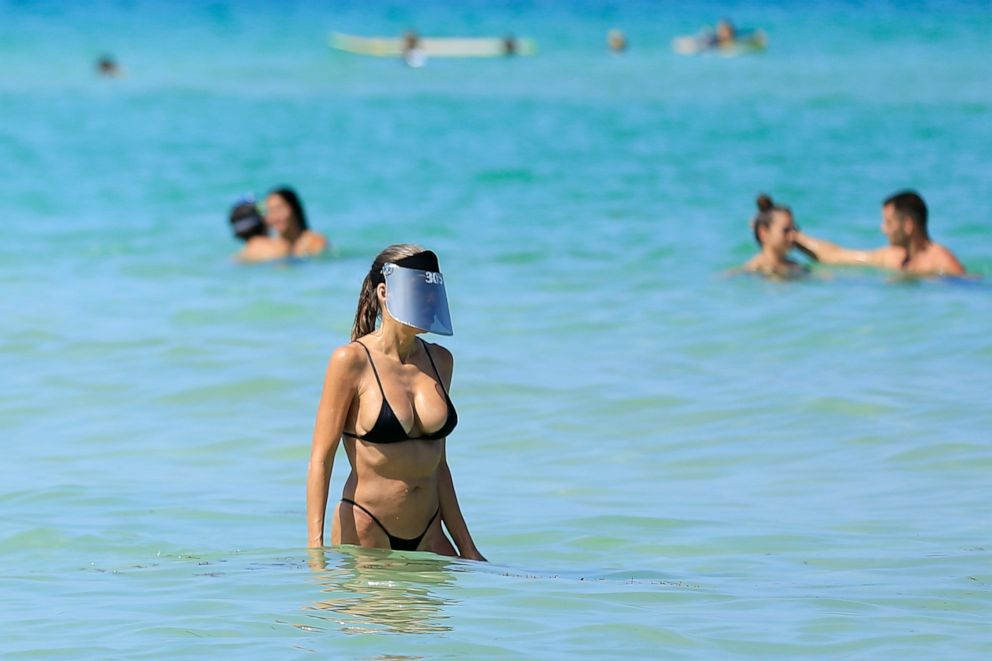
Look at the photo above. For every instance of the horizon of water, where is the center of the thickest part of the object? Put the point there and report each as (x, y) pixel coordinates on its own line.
(657, 458)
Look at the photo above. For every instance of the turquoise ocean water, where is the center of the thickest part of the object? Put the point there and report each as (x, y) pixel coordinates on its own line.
(658, 460)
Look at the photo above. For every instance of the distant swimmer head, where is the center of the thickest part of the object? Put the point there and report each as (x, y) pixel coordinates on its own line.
(774, 227)
(509, 45)
(284, 213)
(405, 285)
(107, 66)
(616, 40)
(246, 221)
(725, 31)
(411, 40)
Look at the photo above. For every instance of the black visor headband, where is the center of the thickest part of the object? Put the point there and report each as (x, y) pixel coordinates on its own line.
(422, 261)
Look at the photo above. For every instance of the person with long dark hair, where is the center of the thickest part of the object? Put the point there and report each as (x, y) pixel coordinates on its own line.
(284, 214)
(386, 395)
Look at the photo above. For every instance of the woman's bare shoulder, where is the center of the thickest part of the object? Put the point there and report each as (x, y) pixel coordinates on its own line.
(756, 263)
(442, 358)
(347, 359)
(312, 243)
(439, 352)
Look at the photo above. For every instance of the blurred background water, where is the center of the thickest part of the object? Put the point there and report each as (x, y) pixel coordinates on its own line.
(658, 459)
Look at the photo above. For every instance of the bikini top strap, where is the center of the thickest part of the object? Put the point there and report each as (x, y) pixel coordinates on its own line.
(374, 371)
(439, 379)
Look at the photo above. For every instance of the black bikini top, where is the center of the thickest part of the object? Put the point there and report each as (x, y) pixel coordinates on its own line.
(387, 427)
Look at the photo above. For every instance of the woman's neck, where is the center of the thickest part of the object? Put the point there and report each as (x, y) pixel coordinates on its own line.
(396, 339)
(772, 256)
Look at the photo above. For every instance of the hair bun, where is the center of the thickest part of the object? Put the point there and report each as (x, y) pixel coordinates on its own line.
(764, 202)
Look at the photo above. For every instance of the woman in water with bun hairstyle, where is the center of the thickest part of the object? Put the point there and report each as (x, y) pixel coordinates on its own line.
(284, 213)
(775, 231)
(386, 395)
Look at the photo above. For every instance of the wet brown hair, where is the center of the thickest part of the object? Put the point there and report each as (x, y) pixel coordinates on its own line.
(368, 303)
(766, 213)
(909, 204)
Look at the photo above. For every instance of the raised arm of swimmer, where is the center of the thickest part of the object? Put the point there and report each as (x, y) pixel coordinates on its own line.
(451, 512)
(831, 253)
(910, 249)
(344, 372)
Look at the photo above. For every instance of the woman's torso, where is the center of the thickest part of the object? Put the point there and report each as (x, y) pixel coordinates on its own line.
(394, 467)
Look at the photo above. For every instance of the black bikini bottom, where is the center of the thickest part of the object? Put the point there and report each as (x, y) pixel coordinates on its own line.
(396, 543)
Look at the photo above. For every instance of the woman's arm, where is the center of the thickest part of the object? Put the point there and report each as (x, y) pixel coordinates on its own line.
(311, 244)
(451, 513)
(340, 386)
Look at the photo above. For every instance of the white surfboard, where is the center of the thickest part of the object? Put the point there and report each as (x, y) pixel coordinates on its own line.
(434, 46)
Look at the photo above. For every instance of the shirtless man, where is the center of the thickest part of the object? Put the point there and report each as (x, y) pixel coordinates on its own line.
(904, 222)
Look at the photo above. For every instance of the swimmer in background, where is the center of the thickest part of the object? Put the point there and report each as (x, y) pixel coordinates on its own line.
(249, 226)
(413, 52)
(107, 67)
(725, 34)
(509, 45)
(723, 38)
(616, 40)
(284, 214)
(775, 231)
(910, 249)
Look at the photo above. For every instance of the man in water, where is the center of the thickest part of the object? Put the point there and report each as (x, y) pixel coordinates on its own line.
(910, 249)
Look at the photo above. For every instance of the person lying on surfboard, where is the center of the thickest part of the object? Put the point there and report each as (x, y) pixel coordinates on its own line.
(724, 38)
(413, 52)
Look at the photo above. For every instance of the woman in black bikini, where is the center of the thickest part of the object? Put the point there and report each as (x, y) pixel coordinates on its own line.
(386, 393)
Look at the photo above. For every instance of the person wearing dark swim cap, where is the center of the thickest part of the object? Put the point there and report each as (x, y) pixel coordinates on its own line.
(386, 396)
(249, 226)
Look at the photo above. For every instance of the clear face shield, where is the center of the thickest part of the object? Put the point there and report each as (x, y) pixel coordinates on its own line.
(415, 294)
